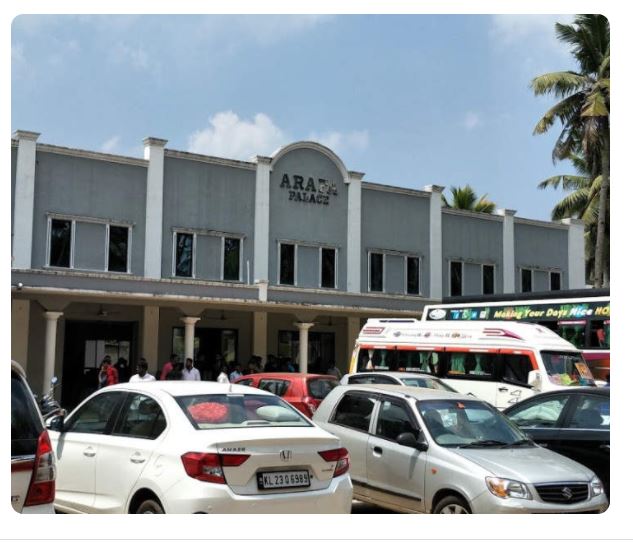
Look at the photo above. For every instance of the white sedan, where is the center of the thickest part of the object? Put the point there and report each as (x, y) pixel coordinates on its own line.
(195, 447)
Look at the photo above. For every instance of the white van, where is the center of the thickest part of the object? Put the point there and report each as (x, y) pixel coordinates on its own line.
(500, 362)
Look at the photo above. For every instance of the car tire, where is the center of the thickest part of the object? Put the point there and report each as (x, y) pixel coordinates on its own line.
(451, 505)
(150, 507)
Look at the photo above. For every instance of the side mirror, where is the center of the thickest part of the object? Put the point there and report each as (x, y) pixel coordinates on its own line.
(409, 440)
(534, 379)
(55, 423)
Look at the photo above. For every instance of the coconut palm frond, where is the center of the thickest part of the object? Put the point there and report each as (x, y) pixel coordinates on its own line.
(561, 83)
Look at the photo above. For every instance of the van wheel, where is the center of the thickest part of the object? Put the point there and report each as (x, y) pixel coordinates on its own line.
(451, 505)
(149, 507)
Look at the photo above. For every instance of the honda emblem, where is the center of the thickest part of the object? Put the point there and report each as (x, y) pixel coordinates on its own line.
(285, 455)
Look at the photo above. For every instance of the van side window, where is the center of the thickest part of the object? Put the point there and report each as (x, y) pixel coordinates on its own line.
(370, 359)
(515, 368)
(354, 411)
(470, 364)
(423, 361)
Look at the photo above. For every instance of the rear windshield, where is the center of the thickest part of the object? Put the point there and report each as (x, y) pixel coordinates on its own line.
(222, 411)
(25, 422)
(320, 388)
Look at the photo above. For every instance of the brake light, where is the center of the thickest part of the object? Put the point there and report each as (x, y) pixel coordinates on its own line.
(208, 467)
(341, 456)
(42, 486)
(311, 405)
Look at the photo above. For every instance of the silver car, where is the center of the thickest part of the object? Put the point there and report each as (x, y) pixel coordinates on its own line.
(407, 378)
(418, 450)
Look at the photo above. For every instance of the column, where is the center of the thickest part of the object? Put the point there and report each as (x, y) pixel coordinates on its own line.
(24, 199)
(260, 334)
(262, 219)
(149, 347)
(575, 253)
(435, 242)
(508, 249)
(354, 209)
(49, 348)
(155, 153)
(303, 345)
(353, 329)
(190, 327)
(20, 313)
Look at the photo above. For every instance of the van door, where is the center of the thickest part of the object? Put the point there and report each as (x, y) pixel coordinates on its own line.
(512, 369)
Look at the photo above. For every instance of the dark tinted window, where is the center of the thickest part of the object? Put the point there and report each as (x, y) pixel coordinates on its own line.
(117, 249)
(61, 231)
(526, 281)
(456, 279)
(554, 281)
(141, 417)
(593, 412)
(600, 335)
(287, 264)
(375, 272)
(488, 275)
(393, 420)
(231, 259)
(541, 413)
(470, 364)
(95, 415)
(25, 422)
(354, 411)
(372, 380)
(320, 388)
(328, 268)
(515, 367)
(275, 386)
(413, 275)
(184, 255)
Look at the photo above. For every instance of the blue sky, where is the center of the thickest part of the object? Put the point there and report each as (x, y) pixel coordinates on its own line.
(408, 100)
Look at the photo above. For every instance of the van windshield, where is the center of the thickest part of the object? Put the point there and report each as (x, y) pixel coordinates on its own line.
(567, 369)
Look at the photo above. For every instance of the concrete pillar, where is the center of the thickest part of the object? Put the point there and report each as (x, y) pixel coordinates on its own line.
(24, 199)
(20, 313)
(155, 153)
(303, 345)
(149, 345)
(575, 253)
(262, 218)
(353, 329)
(435, 242)
(260, 334)
(49, 348)
(190, 327)
(354, 253)
(508, 250)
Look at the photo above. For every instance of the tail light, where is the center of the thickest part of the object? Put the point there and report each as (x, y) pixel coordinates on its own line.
(341, 456)
(208, 467)
(42, 487)
(310, 405)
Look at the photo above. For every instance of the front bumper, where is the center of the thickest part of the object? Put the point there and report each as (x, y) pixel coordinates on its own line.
(489, 503)
(192, 496)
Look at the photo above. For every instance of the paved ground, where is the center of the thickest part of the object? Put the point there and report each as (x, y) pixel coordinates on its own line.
(358, 507)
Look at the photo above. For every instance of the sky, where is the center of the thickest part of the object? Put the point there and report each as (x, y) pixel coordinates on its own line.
(409, 100)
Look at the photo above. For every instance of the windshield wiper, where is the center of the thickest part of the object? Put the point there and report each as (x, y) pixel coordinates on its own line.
(482, 443)
(517, 443)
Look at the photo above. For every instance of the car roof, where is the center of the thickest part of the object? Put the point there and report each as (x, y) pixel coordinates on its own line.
(396, 374)
(187, 388)
(596, 391)
(418, 393)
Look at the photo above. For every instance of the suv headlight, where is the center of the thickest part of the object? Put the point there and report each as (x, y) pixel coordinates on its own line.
(596, 487)
(504, 488)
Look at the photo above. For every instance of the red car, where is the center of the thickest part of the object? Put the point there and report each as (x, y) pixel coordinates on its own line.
(301, 390)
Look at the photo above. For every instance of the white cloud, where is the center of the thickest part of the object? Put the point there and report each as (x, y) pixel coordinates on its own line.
(339, 141)
(110, 144)
(230, 136)
(472, 120)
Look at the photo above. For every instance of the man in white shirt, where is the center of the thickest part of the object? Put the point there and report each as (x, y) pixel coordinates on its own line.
(141, 373)
(190, 373)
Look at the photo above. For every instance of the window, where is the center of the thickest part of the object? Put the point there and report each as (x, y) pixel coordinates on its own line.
(488, 279)
(328, 268)
(600, 335)
(540, 414)
(94, 415)
(231, 264)
(118, 248)
(60, 243)
(593, 412)
(456, 278)
(393, 420)
(287, 264)
(26, 425)
(184, 250)
(554, 281)
(413, 275)
(371, 380)
(142, 418)
(470, 364)
(320, 388)
(526, 281)
(354, 411)
(376, 266)
(274, 386)
(515, 368)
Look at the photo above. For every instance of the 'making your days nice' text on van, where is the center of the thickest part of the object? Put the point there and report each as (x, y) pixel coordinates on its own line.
(500, 362)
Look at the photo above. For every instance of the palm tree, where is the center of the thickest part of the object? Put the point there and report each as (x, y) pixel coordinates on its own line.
(583, 203)
(583, 111)
(465, 198)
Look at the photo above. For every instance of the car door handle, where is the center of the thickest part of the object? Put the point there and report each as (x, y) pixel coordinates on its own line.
(137, 458)
(377, 450)
(503, 389)
(90, 452)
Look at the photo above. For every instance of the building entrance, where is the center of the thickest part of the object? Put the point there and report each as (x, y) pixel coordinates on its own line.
(208, 345)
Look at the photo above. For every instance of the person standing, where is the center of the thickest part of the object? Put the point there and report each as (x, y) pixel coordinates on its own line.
(141, 373)
(108, 375)
(168, 367)
(190, 373)
(223, 377)
(236, 373)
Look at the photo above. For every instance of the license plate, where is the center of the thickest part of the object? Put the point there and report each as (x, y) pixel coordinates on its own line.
(283, 479)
